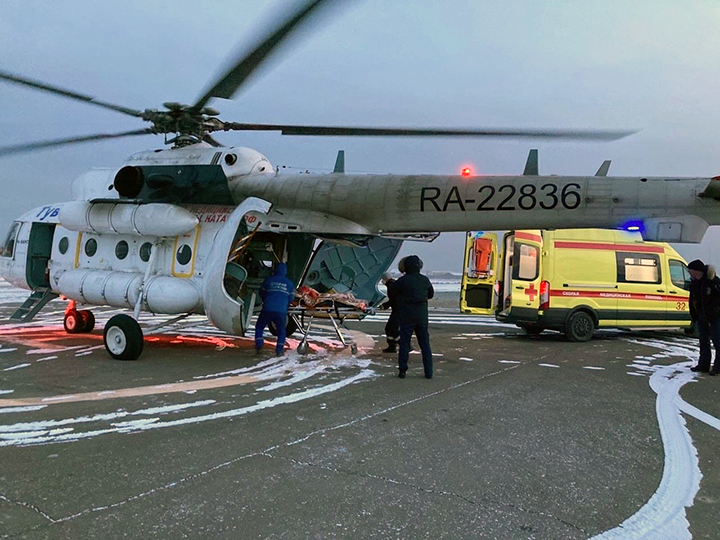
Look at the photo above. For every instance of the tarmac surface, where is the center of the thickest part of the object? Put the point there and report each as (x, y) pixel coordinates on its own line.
(516, 436)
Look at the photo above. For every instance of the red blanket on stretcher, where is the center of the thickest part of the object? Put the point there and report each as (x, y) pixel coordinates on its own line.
(309, 297)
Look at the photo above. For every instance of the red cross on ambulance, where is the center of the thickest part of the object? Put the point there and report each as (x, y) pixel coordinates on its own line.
(531, 291)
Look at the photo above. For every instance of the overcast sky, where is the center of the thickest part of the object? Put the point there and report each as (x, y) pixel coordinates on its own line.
(647, 64)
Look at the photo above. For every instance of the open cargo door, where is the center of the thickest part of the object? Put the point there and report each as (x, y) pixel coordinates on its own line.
(480, 272)
(346, 268)
(520, 292)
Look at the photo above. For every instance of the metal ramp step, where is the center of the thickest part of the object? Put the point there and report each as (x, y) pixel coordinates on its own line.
(35, 302)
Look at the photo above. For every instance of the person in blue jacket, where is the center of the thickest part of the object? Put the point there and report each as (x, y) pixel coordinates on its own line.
(276, 292)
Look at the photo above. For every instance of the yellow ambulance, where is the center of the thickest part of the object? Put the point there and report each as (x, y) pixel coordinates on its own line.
(575, 281)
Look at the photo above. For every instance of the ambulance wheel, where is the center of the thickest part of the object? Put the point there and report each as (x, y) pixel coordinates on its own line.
(580, 327)
(87, 319)
(72, 322)
(532, 329)
(123, 338)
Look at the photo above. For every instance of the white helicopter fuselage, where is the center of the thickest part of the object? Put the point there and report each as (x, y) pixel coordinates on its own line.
(165, 232)
(667, 209)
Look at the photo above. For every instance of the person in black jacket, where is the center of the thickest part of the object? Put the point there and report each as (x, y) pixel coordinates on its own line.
(705, 311)
(392, 327)
(413, 291)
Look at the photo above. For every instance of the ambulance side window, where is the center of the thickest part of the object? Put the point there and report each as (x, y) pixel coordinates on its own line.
(8, 246)
(638, 268)
(679, 275)
(525, 262)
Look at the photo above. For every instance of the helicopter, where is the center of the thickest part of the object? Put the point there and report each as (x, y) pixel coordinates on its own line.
(196, 226)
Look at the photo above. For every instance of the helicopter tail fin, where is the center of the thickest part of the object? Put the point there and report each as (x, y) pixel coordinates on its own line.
(340, 162)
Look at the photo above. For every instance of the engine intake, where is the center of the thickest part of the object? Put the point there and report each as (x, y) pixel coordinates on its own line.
(129, 181)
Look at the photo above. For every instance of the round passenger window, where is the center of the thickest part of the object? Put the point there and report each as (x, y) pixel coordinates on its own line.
(184, 254)
(64, 245)
(91, 247)
(121, 249)
(145, 251)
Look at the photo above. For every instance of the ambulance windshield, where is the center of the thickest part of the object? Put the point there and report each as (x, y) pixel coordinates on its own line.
(679, 275)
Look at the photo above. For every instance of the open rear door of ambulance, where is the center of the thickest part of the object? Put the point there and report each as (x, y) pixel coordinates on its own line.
(480, 266)
(520, 291)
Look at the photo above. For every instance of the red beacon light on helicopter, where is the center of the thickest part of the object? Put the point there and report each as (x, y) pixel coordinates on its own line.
(466, 171)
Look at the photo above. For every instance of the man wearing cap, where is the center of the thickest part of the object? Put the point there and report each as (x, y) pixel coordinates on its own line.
(705, 311)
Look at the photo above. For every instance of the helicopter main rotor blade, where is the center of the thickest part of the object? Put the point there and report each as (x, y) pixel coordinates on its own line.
(230, 82)
(66, 93)
(19, 148)
(339, 131)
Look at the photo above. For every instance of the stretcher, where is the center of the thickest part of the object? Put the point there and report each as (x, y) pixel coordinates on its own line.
(336, 311)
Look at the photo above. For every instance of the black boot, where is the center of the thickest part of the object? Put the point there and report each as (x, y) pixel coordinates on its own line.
(701, 369)
(401, 374)
(390, 348)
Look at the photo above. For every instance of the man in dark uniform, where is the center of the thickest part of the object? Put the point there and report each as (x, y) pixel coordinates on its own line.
(413, 291)
(705, 311)
(392, 327)
(276, 292)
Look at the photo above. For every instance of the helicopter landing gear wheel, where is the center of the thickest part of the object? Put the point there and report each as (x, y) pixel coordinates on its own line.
(123, 338)
(290, 327)
(87, 319)
(72, 322)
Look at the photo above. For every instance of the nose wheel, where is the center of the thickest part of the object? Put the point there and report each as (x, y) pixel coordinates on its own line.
(123, 338)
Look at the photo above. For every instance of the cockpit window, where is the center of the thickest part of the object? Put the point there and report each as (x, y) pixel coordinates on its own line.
(8, 246)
